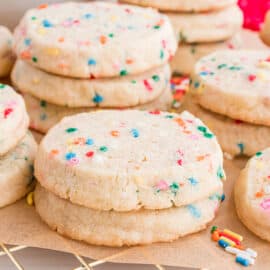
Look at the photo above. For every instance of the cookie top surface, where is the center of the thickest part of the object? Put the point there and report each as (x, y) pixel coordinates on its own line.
(253, 187)
(183, 5)
(240, 78)
(130, 140)
(95, 39)
(13, 118)
(131, 152)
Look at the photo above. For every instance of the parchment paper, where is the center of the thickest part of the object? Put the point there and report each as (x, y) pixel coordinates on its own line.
(20, 225)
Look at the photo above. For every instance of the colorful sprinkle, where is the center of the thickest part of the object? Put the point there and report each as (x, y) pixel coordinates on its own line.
(97, 98)
(71, 130)
(194, 211)
(103, 149)
(70, 155)
(92, 62)
(193, 181)
(123, 72)
(135, 133)
(89, 141)
(90, 154)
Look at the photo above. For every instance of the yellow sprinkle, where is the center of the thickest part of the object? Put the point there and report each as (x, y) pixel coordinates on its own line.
(261, 75)
(230, 242)
(42, 31)
(139, 180)
(30, 198)
(114, 18)
(52, 51)
(36, 80)
(264, 64)
(233, 234)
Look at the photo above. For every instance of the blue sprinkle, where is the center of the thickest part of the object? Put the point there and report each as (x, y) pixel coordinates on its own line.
(70, 155)
(241, 148)
(194, 211)
(88, 16)
(43, 116)
(92, 62)
(135, 133)
(203, 73)
(47, 23)
(223, 243)
(196, 84)
(27, 41)
(193, 181)
(242, 261)
(222, 197)
(97, 98)
(89, 141)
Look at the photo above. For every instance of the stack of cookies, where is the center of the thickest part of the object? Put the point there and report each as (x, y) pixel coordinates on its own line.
(201, 26)
(6, 55)
(17, 147)
(129, 177)
(231, 93)
(76, 57)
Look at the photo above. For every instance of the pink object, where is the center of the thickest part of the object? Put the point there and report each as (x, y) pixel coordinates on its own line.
(254, 12)
(162, 185)
(265, 204)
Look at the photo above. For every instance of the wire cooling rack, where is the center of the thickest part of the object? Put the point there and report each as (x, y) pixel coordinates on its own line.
(8, 252)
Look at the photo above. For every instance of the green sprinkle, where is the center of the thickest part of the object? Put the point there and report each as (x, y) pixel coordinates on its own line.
(33, 18)
(169, 116)
(174, 187)
(220, 173)
(70, 130)
(156, 27)
(182, 37)
(222, 66)
(161, 54)
(258, 154)
(202, 128)
(155, 78)
(208, 135)
(133, 81)
(43, 103)
(103, 148)
(213, 229)
(34, 59)
(2, 86)
(111, 35)
(123, 72)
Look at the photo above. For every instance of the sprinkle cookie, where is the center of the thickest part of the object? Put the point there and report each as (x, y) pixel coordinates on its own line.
(116, 92)
(14, 120)
(238, 78)
(188, 54)
(94, 40)
(6, 56)
(183, 5)
(111, 228)
(16, 171)
(207, 27)
(252, 195)
(235, 137)
(112, 160)
(265, 31)
(44, 115)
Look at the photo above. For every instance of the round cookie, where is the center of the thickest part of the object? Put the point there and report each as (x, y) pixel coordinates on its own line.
(112, 228)
(16, 171)
(112, 160)
(188, 54)
(95, 39)
(14, 120)
(6, 55)
(265, 30)
(238, 78)
(235, 137)
(252, 195)
(44, 115)
(116, 92)
(183, 5)
(207, 27)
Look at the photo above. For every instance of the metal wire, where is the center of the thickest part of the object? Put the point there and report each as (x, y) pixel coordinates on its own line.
(84, 265)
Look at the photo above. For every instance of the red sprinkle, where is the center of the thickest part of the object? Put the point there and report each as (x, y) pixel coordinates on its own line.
(7, 112)
(90, 154)
(155, 112)
(180, 162)
(147, 85)
(236, 241)
(252, 77)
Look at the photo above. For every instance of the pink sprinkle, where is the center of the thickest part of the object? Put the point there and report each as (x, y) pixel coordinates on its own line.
(73, 161)
(147, 85)
(252, 77)
(162, 185)
(180, 162)
(265, 204)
